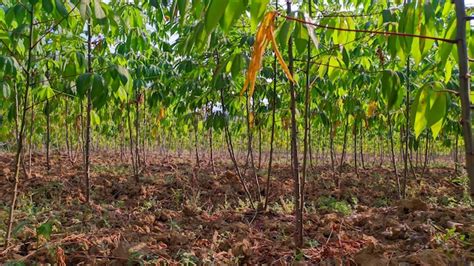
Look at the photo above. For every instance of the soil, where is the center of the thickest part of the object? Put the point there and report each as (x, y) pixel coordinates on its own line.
(179, 213)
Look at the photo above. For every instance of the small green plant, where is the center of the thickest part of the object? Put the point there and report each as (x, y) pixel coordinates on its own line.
(148, 204)
(450, 235)
(332, 204)
(244, 204)
(381, 202)
(174, 225)
(447, 201)
(188, 258)
(45, 230)
(177, 195)
(313, 243)
(283, 206)
(299, 255)
(354, 200)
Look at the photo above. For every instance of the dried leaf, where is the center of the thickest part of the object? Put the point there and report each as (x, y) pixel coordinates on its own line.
(265, 35)
(60, 258)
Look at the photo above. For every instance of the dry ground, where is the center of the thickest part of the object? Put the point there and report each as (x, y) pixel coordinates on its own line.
(181, 214)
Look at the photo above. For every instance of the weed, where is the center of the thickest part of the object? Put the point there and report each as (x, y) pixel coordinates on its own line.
(381, 202)
(332, 204)
(188, 258)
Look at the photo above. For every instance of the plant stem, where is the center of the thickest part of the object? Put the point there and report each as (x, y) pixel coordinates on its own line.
(21, 135)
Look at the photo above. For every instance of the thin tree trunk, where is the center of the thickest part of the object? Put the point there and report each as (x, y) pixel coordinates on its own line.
(381, 150)
(425, 163)
(456, 152)
(48, 136)
(288, 141)
(272, 136)
(21, 135)
(307, 128)
(122, 139)
(393, 154)
(66, 125)
(211, 150)
(331, 145)
(144, 130)
(137, 134)
(362, 160)
(310, 147)
(407, 131)
(196, 144)
(30, 140)
(230, 147)
(417, 157)
(17, 113)
(130, 136)
(294, 149)
(259, 147)
(355, 149)
(344, 144)
(88, 115)
(250, 149)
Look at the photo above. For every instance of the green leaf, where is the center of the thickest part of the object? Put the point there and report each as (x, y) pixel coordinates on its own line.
(121, 94)
(83, 84)
(123, 74)
(48, 6)
(2, 15)
(197, 6)
(301, 38)
(284, 33)
(99, 12)
(61, 8)
(234, 10)
(154, 3)
(429, 108)
(257, 10)
(415, 52)
(436, 128)
(45, 92)
(214, 13)
(407, 25)
(45, 230)
(95, 119)
(99, 91)
(85, 9)
(182, 9)
(445, 48)
(6, 91)
(448, 71)
(236, 65)
(390, 88)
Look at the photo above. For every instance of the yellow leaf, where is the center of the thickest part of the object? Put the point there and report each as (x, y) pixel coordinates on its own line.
(251, 119)
(265, 35)
(279, 57)
(162, 114)
(371, 108)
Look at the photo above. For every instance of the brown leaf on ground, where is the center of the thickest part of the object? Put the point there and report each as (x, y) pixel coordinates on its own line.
(428, 257)
(371, 256)
(60, 257)
(411, 205)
